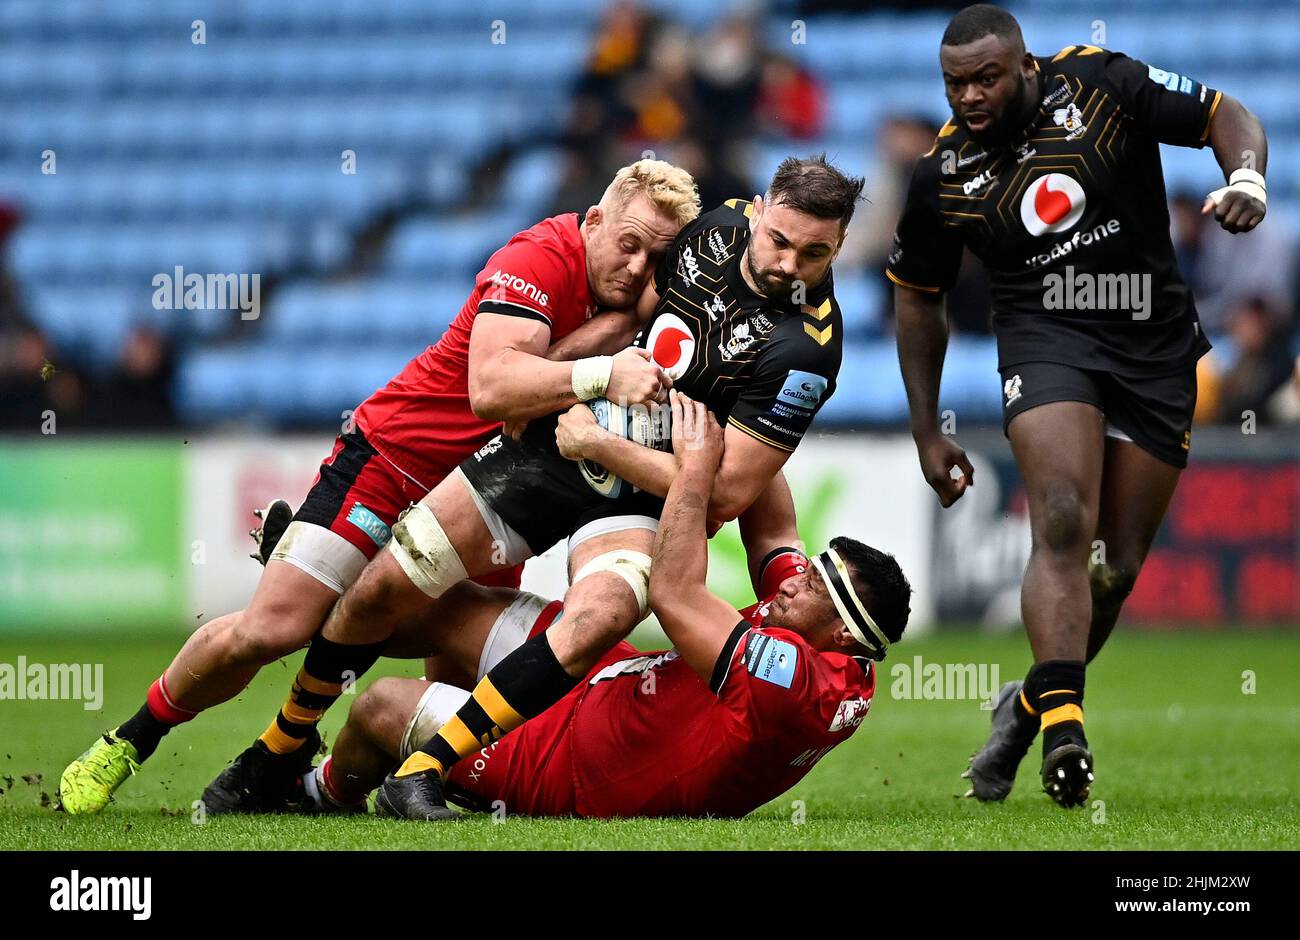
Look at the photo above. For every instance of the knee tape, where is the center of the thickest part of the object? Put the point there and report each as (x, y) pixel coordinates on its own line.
(425, 553)
(632, 567)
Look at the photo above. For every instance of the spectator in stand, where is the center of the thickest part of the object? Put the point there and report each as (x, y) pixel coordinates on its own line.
(582, 181)
(137, 395)
(1225, 271)
(713, 169)
(900, 140)
(619, 53)
(728, 68)
(1261, 367)
(663, 96)
(791, 101)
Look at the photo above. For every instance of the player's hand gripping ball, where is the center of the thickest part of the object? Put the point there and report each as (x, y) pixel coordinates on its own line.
(648, 425)
(697, 436)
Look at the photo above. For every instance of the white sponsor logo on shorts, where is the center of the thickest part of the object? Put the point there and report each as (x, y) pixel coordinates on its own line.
(491, 447)
(1011, 389)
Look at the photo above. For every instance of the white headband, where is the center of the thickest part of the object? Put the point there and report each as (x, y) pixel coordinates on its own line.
(847, 603)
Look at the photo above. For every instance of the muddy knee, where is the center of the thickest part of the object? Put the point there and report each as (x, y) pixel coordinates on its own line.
(1061, 527)
(1111, 583)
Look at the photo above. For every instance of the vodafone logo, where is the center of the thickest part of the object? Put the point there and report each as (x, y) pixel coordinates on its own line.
(671, 344)
(1052, 203)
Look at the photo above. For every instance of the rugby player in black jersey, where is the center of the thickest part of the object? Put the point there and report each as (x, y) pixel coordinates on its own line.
(1049, 171)
(741, 316)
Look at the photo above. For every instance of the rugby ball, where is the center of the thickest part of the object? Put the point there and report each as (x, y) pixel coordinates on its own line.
(647, 425)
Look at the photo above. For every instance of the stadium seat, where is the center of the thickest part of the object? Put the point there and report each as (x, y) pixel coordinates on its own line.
(226, 157)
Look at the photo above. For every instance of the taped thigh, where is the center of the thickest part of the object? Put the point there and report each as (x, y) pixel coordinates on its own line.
(322, 553)
(512, 628)
(632, 567)
(424, 551)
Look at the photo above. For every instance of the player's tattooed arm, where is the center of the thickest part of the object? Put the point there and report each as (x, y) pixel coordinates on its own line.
(922, 345)
(696, 620)
(1239, 143)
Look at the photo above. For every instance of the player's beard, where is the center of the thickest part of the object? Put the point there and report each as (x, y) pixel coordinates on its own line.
(778, 289)
(1012, 119)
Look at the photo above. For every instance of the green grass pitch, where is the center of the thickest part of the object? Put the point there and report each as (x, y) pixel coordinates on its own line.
(1186, 760)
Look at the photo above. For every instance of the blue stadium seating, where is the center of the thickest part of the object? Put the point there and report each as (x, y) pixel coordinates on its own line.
(227, 157)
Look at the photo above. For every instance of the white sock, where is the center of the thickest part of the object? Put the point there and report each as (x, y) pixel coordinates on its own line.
(315, 788)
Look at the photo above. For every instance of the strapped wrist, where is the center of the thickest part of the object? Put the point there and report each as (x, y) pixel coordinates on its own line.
(1245, 181)
(590, 377)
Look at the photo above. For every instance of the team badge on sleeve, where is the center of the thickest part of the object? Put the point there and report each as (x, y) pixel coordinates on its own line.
(802, 390)
(770, 659)
(1174, 82)
(800, 395)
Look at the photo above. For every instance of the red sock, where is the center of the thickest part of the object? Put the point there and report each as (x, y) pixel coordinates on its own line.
(331, 788)
(162, 707)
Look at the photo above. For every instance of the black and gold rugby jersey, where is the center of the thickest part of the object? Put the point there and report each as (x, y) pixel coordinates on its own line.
(1069, 218)
(763, 366)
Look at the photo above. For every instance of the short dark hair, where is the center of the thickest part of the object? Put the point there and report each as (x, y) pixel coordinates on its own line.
(983, 19)
(880, 583)
(817, 187)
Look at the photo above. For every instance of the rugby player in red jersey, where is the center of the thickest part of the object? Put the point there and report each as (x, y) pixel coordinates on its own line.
(743, 706)
(745, 313)
(490, 366)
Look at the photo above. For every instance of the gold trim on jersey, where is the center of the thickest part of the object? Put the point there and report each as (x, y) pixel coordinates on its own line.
(1214, 106)
(820, 313)
(948, 129)
(902, 283)
(821, 336)
(737, 203)
(1076, 50)
(758, 437)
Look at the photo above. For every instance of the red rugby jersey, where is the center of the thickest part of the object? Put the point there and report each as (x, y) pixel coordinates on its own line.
(649, 738)
(421, 420)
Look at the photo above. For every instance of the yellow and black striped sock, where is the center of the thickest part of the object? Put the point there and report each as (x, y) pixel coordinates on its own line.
(521, 686)
(319, 682)
(1054, 692)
